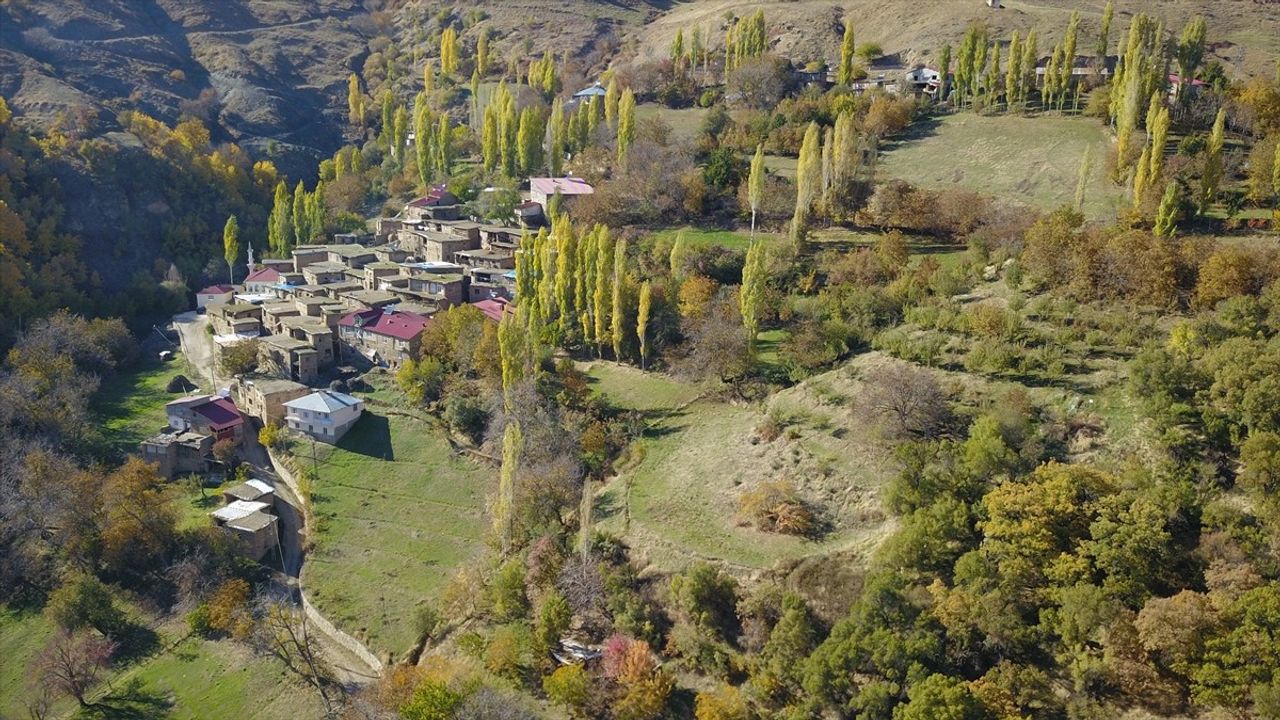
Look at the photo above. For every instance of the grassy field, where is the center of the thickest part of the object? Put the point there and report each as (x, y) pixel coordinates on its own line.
(131, 404)
(630, 387)
(679, 502)
(701, 237)
(685, 123)
(397, 513)
(1034, 161)
(22, 634)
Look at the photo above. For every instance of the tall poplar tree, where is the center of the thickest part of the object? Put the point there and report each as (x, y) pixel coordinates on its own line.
(1013, 74)
(423, 136)
(619, 294)
(444, 146)
(1212, 175)
(231, 245)
(755, 186)
(626, 123)
(279, 223)
(529, 140)
(642, 322)
(482, 53)
(1104, 32)
(298, 214)
(603, 288)
(944, 71)
(808, 177)
(504, 503)
(611, 98)
(845, 74)
(355, 102)
(1167, 215)
(449, 51)
(751, 292)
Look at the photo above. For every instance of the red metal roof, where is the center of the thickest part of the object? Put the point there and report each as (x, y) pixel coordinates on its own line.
(494, 308)
(435, 196)
(266, 274)
(217, 290)
(221, 413)
(399, 325)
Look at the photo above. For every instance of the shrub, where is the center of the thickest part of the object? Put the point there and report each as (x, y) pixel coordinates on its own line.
(775, 506)
(568, 686)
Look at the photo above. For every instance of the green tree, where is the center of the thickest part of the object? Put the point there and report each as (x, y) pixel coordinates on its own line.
(355, 101)
(529, 140)
(423, 134)
(808, 181)
(1104, 31)
(751, 293)
(504, 504)
(1170, 211)
(444, 145)
(482, 53)
(844, 76)
(388, 122)
(1013, 73)
(677, 47)
(280, 223)
(603, 287)
(1190, 53)
(1212, 175)
(231, 245)
(626, 123)
(939, 697)
(449, 51)
(399, 133)
(432, 700)
(679, 255)
(298, 214)
(642, 322)
(755, 186)
(1159, 130)
(83, 601)
(611, 98)
(569, 687)
(554, 617)
(619, 293)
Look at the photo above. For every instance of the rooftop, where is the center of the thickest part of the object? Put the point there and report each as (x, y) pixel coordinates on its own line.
(250, 490)
(323, 401)
(566, 186)
(253, 522)
(217, 290)
(392, 323)
(494, 308)
(220, 412)
(264, 274)
(238, 509)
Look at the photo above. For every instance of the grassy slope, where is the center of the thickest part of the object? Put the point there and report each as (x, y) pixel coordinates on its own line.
(131, 404)
(397, 514)
(22, 634)
(685, 123)
(682, 493)
(1034, 161)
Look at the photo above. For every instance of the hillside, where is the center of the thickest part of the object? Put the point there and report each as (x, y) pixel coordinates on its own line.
(810, 29)
(254, 70)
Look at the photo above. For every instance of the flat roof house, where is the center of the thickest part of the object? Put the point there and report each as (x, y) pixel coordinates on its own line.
(383, 337)
(178, 453)
(251, 524)
(243, 319)
(541, 189)
(264, 397)
(289, 358)
(325, 415)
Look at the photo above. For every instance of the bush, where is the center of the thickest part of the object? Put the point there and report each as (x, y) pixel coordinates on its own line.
(568, 686)
(466, 416)
(775, 506)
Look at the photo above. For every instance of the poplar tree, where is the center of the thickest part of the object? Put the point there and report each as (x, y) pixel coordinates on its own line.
(619, 288)
(504, 504)
(355, 101)
(529, 140)
(388, 120)
(1159, 130)
(423, 127)
(587, 249)
(755, 185)
(1104, 33)
(231, 245)
(482, 53)
(399, 133)
(1167, 215)
(642, 322)
(611, 98)
(1082, 178)
(751, 292)
(1013, 74)
(679, 252)
(695, 46)
(298, 214)
(1069, 53)
(1212, 175)
(555, 139)
(1127, 121)
(449, 51)
(603, 287)
(808, 168)
(992, 79)
(315, 210)
(1030, 56)
(1140, 177)
(828, 169)
(444, 146)
(429, 77)
(511, 350)
(1190, 53)
(845, 74)
(280, 225)
(677, 47)
(490, 144)
(626, 123)
(566, 272)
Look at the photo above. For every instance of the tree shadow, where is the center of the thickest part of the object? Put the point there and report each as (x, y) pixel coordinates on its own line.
(605, 506)
(135, 642)
(371, 436)
(133, 701)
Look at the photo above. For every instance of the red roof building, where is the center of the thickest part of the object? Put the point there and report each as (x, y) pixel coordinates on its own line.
(381, 336)
(221, 414)
(263, 276)
(495, 308)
